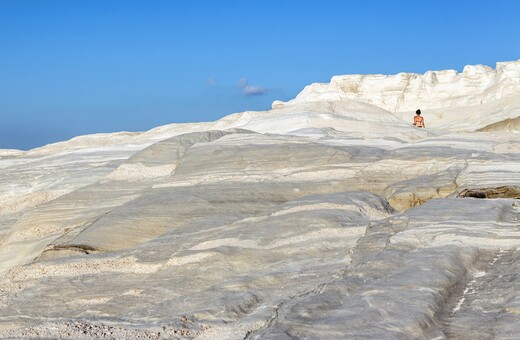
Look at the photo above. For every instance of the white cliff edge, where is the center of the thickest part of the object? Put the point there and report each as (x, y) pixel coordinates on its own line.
(467, 101)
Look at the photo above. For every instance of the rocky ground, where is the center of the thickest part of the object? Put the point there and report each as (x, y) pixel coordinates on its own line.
(322, 218)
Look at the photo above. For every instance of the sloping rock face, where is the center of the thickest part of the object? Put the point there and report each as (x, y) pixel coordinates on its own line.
(318, 219)
(477, 97)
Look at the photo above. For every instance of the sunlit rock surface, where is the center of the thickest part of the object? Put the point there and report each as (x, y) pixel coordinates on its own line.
(475, 98)
(329, 216)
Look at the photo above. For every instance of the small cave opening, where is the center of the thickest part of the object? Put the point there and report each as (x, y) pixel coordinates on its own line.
(497, 192)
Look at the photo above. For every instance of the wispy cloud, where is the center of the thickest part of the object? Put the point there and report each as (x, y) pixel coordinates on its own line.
(211, 81)
(251, 90)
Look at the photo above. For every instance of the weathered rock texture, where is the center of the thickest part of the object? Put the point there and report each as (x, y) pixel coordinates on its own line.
(477, 97)
(326, 217)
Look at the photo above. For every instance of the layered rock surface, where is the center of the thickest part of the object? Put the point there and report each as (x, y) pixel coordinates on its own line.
(326, 217)
(477, 97)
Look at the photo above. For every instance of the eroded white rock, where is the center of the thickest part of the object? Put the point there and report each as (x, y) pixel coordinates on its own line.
(451, 100)
(329, 216)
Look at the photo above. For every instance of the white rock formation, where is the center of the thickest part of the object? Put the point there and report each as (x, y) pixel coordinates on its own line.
(469, 100)
(329, 216)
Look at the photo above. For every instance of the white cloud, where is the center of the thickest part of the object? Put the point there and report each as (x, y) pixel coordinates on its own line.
(251, 90)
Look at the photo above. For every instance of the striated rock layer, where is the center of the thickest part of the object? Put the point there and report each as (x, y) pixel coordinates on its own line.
(326, 217)
(475, 98)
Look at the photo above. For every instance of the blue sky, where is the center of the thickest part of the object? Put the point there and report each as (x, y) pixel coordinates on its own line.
(71, 67)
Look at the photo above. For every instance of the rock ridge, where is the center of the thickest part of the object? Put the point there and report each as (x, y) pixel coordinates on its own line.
(327, 217)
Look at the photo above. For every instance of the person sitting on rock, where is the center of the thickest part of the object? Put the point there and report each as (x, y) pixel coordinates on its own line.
(418, 120)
